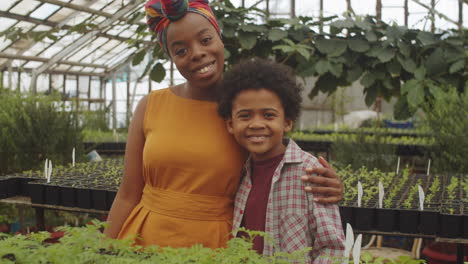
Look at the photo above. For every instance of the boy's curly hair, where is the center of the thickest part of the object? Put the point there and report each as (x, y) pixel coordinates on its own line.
(259, 74)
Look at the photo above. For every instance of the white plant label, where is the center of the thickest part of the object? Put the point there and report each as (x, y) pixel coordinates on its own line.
(421, 198)
(398, 166)
(428, 167)
(359, 193)
(49, 171)
(357, 249)
(348, 243)
(45, 168)
(73, 158)
(381, 194)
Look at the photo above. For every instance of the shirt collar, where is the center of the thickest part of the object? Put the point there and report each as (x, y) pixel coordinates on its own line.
(293, 154)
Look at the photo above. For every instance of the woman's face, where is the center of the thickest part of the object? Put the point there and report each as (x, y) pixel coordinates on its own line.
(196, 49)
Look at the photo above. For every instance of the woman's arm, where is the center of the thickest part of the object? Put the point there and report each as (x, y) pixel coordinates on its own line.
(131, 188)
(330, 187)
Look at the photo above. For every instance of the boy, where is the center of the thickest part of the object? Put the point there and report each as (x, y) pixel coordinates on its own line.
(260, 100)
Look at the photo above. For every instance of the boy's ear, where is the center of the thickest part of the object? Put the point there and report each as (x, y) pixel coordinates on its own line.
(229, 125)
(288, 125)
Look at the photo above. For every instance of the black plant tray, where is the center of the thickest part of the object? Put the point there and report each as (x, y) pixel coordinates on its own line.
(429, 219)
(386, 220)
(451, 223)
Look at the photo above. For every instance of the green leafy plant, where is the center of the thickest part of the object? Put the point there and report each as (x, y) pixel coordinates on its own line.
(33, 128)
(446, 118)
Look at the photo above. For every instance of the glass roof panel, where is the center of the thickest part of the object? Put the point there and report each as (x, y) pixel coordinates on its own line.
(80, 17)
(44, 11)
(26, 26)
(61, 67)
(6, 23)
(61, 15)
(6, 4)
(22, 44)
(4, 44)
(36, 49)
(25, 7)
(76, 68)
(118, 57)
(42, 28)
(3, 61)
(113, 7)
(33, 64)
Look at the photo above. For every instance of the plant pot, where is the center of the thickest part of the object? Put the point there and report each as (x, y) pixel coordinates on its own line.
(347, 216)
(451, 221)
(99, 199)
(408, 221)
(429, 219)
(441, 253)
(83, 197)
(4, 186)
(110, 198)
(386, 219)
(364, 218)
(68, 196)
(13, 187)
(36, 192)
(52, 194)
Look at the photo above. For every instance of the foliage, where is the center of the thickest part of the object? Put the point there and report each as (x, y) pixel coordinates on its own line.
(90, 135)
(379, 55)
(7, 213)
(446, 118)
(89, 245)
(33, 128)
(378, 154)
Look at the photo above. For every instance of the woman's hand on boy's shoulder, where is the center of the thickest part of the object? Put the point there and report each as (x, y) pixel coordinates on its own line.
(327, 183)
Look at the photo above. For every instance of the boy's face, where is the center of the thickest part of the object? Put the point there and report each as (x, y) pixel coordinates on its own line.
(258, 123)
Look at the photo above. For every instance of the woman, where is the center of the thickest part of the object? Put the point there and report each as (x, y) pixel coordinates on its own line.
(182, 168)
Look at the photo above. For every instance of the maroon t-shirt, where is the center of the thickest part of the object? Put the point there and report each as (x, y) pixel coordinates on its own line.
(255, 208)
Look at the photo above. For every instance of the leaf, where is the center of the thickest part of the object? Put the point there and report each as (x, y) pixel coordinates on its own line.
(363, 25)
(394, 67)
(336, 69)
(253, 28)
(229, 32)
(358, 45)
(436, 63)
(277, 34)
(420, 73)
(404, 49)
(407, 63)
(247, 39)
(368, 79)
(371, 95)
(395, 32)
(158, 73)
(331, 47)
(426, 38)
(284, 48)
(321, 67)
(304, 53)
(416, 95)
(327, 83)
(457, 66)
(354, 73)
(386, 55)
(138, 57)
(227, 54)
(371, 36)
(408, 85)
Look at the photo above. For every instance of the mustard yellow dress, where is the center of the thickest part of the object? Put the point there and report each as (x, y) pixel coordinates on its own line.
(191, 167)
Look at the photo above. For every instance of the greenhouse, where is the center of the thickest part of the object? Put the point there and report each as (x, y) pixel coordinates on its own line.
(97, 97)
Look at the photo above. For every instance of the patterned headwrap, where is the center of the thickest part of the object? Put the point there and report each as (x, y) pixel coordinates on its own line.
(160, 13)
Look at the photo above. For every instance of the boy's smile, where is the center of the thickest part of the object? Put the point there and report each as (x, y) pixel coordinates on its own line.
(258, 123)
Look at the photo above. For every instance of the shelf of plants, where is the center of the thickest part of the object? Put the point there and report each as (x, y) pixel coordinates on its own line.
(93, 185)
(444, 212)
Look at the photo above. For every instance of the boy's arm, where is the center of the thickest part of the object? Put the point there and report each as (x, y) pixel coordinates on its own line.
(328, 236)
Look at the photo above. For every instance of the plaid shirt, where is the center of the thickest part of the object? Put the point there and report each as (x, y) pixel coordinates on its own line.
(293, 219)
